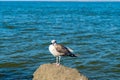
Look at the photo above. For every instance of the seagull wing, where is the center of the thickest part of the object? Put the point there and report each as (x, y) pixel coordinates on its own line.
(61, 49)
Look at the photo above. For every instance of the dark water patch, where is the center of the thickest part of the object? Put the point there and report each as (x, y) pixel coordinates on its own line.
(118, 65)
(2, 75)
(30, 29)
(10, 27)
(99, 63)
(81, 67)
(11, 65)
(16, 56)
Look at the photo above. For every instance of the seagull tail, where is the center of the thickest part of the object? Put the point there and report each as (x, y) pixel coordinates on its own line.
(72, 55)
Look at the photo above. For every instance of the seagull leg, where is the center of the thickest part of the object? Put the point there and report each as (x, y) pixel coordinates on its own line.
(59, 59)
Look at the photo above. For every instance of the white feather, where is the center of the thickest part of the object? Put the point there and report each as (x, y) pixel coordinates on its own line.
(70, 49)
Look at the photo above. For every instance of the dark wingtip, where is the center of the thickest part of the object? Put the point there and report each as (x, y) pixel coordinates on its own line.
(72, 55)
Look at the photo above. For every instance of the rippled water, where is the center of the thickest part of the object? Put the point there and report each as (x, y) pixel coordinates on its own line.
(92, 29)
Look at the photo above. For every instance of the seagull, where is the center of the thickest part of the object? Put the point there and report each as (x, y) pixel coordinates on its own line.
(59, 50)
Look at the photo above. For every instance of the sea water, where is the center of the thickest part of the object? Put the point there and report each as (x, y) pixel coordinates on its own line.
(91, 29)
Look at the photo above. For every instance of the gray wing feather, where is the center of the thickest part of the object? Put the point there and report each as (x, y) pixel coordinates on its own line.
(62, 49)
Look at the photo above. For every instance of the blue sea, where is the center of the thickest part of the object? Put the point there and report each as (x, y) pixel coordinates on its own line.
(91, 29)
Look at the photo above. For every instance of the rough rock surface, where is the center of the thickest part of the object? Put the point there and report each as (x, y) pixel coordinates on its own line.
(54, 72)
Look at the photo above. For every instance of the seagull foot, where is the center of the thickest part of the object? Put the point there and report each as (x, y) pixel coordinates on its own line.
(57, 64)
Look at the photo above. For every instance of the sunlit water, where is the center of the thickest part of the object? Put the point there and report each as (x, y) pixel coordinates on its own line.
(92, 30)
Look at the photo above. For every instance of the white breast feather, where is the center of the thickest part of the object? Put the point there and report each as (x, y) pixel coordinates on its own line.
(53, 51)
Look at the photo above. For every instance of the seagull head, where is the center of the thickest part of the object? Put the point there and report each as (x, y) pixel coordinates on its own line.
(53, 41)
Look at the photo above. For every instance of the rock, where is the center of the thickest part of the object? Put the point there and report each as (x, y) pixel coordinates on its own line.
(54, 72)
